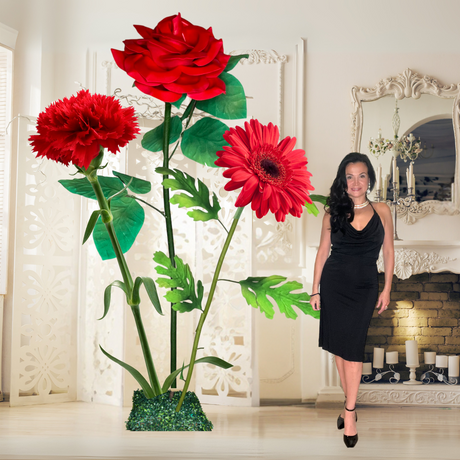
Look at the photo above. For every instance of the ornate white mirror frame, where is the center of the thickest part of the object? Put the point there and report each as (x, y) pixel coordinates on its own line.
(409, 84)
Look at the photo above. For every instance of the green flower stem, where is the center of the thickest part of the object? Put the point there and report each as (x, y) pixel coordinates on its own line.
(170, 237)
(107, 219)
(208, 304)
(188, 113)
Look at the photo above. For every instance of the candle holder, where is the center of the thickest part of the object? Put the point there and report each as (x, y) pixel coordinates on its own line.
(397, 201)
(412, 376)
(379, 374)
(437, 376)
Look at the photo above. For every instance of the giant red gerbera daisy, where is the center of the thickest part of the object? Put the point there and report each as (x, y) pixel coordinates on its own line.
(273, 176)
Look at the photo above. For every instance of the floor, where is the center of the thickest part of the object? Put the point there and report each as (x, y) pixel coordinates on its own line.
(88, 431)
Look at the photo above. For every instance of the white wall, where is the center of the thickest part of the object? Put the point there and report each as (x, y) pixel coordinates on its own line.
(349, 42)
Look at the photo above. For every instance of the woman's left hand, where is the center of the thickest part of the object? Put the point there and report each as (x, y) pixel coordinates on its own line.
(383, 302)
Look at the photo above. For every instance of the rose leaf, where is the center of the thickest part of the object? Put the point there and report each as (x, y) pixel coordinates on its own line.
(234, 60)
(228, 106)
(201, 142)
(136, 185)
(153, 140)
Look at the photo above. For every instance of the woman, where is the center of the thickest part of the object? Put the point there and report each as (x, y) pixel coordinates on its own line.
(356, 229)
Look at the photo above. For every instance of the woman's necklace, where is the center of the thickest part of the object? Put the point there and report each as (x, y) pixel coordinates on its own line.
(362, 205)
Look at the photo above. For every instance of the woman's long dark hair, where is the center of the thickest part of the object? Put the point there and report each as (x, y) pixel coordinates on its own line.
(339, 205)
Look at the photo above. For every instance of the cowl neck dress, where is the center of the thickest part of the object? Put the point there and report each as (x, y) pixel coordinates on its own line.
(349, 289)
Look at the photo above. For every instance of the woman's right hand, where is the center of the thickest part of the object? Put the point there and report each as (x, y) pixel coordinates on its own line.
(315, 302)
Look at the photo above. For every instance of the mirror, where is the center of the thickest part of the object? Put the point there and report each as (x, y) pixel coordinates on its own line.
(428, 110)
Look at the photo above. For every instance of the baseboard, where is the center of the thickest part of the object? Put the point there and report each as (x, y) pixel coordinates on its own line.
(285, 402)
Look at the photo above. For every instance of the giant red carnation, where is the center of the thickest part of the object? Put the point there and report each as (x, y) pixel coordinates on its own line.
(273, 176)
(72, 130)
(173, 59)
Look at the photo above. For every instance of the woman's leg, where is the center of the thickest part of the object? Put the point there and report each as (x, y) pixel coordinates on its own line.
(339, 362)
(352, 372)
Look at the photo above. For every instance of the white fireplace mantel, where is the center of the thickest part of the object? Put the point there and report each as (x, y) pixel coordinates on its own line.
(424, 256)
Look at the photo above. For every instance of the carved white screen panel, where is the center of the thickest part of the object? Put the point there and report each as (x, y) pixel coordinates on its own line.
(45, 287)
(6, 69)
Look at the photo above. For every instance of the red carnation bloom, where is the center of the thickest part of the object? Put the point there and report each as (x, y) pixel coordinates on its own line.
(273, 176)
(72, 130)
(173, 59)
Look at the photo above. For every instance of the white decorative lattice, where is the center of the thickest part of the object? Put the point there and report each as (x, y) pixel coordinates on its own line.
(45, 286)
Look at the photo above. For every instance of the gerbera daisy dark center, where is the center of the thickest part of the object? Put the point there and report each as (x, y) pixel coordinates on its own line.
(268, 165)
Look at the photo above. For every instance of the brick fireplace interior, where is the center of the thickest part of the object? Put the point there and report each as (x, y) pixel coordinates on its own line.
(425, 307)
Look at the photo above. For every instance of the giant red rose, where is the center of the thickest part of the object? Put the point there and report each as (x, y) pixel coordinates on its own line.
(173, 59)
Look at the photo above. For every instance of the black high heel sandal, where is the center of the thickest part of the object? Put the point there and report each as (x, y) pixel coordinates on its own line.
(350, 441)
(341, 421)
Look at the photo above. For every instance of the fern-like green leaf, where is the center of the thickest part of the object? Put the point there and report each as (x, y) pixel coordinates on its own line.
(194, 197)
(185, 297)
(257, 290)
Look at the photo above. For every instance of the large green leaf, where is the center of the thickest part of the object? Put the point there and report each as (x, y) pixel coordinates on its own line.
(234, 60)
(151, 289)
(201, 142)
(110, 186)
(136, 185)
(207, 359)
(153, 140)
(147, 389)
(185, 297)
(311, 208)
(228, 106)
(255, 291)
(195, 197)
(128, 218)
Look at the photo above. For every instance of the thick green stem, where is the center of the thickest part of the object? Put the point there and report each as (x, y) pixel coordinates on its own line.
(208, 305)
(107, 219)
(170, 237)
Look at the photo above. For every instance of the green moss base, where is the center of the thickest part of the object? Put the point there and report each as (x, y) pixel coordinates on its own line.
(159, 413)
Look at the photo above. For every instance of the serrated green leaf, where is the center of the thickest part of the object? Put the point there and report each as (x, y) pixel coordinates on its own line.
(201, 142)
(319, 198)
(128, 218)
(233, 61)
(108, 295)
(195, 197)
(146, 388)
(110, 186)
(91, 224)
(178, 103)
(136, 185)
(151, 289)
(153, 140)
(207, 360)
(228, 106)
(185, 297)
(255, 291)
(311, 208)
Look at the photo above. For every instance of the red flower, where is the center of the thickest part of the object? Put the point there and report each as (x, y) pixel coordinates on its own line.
(72, 130)
(273, 176)
(173, 59)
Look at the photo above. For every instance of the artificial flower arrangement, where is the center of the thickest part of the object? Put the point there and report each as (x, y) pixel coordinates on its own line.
(174, 61)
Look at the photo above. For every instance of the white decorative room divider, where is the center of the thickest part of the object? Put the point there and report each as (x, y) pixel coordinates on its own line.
(45, 286)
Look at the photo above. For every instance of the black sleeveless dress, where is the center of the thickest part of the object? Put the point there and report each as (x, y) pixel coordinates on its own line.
(349, 289)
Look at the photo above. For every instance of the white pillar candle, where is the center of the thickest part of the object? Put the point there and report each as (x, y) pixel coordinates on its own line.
(385, 187)
(367, 368)
(411, 353)
(379, 177)
(413, 184)
(394, 168)
(392, 357)
(407, 178)
(441, 361)
(454, 362)
(430, 357)
(397, 175)
(379, 353)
